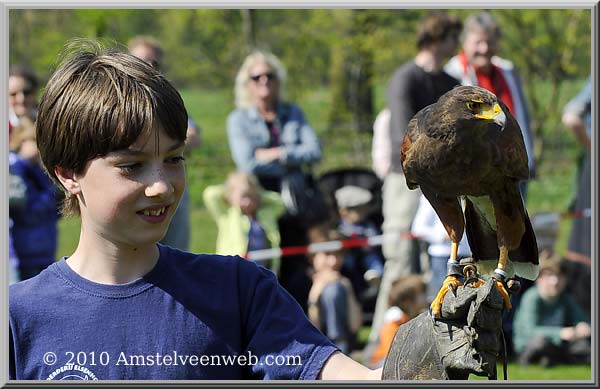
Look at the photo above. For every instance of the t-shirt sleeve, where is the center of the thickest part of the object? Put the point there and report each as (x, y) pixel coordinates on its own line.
(276, 330)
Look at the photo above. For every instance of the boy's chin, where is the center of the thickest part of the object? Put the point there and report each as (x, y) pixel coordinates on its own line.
(149, 239)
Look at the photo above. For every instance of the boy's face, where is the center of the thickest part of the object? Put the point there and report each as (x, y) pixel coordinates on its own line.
(129, 196)
(550, 284)
(353, 215)
(331, 260)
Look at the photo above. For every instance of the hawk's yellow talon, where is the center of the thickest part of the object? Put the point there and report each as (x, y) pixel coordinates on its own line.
(450, 283)
(477, 283)
(502, 289)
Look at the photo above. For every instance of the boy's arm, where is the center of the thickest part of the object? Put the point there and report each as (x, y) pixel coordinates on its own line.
(341, 367)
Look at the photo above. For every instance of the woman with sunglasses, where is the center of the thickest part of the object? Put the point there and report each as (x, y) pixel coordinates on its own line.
(270, 138)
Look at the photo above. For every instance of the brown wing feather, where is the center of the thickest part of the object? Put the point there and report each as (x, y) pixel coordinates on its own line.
(513, 225)
(406, 157)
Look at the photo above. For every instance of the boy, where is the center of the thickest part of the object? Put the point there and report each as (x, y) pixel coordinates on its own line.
(549, 326)
(111, 133)
(354, 207)
(332, 305)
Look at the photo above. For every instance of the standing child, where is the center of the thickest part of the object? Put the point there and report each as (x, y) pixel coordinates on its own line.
(111, 131)
(246, 216)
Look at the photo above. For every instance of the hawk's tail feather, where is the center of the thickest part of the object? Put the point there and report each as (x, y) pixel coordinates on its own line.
(483, 240)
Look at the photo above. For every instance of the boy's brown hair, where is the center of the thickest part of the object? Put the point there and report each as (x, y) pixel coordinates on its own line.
(550, 262)
(321, 233)
(435, 27)
(98, 101)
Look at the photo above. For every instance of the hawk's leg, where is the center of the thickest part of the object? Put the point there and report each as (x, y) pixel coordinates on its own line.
(500, 275)
(451, 282)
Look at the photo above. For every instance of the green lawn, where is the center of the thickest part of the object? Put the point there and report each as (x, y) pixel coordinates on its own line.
(518, 372)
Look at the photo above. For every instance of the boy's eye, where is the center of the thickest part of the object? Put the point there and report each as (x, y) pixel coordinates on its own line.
(129, 167)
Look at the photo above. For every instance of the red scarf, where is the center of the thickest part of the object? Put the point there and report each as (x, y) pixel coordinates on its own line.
(494, 82)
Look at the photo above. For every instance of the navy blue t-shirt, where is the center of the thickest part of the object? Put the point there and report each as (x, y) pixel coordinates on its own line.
(192, 317)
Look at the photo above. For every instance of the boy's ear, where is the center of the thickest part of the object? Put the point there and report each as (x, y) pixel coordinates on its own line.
(68, 180)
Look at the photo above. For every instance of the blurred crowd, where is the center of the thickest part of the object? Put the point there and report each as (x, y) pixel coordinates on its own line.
(273, 200)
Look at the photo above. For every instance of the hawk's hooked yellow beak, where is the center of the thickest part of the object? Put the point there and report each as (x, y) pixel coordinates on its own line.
(494, 113)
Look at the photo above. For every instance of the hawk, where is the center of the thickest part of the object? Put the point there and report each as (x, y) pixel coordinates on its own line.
(466, 153)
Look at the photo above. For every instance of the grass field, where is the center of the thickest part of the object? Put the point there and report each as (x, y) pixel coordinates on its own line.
(550, 191)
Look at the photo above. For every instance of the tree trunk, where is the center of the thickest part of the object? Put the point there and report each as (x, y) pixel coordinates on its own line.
(352, 79)
(248, 17)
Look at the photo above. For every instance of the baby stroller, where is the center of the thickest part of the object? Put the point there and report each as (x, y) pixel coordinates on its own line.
(365, 178)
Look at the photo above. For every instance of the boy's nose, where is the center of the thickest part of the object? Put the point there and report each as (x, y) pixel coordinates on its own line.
(159, 184)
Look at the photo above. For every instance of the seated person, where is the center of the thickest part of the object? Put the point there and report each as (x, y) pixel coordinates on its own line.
(407, 300)
(246, 216)
(332, 306)
(550, 327)
(365, 262)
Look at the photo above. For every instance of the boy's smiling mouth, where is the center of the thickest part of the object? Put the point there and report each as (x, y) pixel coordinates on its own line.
(155, 214)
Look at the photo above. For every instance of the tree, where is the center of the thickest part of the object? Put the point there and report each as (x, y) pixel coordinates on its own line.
(548, 47)
(352, 73)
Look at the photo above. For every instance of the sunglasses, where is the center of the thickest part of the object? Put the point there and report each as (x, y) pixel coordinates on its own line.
(270, 77)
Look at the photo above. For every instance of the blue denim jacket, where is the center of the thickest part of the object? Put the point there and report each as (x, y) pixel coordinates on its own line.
(247, 131)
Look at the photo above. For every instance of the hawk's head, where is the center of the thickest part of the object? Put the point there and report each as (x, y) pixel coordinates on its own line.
(472, 104)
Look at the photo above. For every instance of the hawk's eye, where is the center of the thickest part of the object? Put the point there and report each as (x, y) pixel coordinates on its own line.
(474, 106)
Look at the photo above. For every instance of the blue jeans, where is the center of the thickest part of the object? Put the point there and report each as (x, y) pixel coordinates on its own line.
(333, 312)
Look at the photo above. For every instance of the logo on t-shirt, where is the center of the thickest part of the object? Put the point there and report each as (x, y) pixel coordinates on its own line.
(70, 372)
